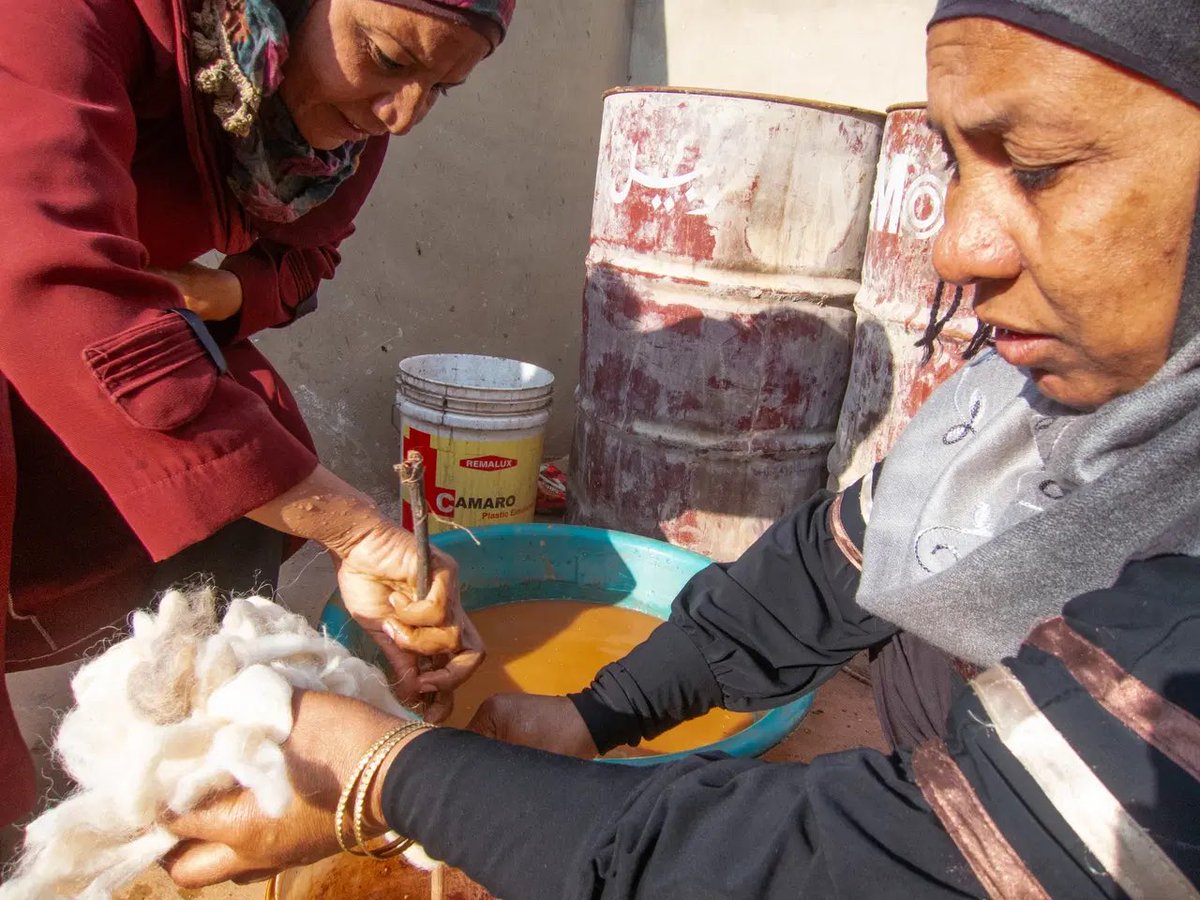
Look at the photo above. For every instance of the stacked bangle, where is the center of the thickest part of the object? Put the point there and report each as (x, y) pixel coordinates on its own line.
(357, 791)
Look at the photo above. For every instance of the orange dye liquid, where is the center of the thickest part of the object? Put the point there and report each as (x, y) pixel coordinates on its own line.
(555, 647)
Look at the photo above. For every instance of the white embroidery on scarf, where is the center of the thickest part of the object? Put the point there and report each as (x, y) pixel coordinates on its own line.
(971, 423)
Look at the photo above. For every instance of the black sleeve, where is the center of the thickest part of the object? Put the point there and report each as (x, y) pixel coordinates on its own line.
(748, 635)
(527, 824)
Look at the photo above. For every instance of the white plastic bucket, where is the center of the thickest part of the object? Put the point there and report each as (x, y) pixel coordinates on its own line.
(479, 422)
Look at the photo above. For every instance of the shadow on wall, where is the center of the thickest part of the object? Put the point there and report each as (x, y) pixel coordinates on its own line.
(649, 61)
(703, 426)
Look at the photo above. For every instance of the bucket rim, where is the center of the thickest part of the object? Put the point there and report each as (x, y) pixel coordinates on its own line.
(545, 377)
(821, 105)
(422, 386)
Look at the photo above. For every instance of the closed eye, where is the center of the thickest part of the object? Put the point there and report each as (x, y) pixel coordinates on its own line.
(1036, 179)
(951, 159)
(384, 61)
(377, 56)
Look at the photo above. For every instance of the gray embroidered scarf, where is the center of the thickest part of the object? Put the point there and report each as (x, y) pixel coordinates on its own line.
(997, 506)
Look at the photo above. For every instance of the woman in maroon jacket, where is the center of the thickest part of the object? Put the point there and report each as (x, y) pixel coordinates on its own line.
(142, 437)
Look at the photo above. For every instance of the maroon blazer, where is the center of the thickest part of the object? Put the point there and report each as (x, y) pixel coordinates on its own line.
(130, 443)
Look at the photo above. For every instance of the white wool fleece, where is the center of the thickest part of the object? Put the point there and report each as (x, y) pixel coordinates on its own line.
(179, 710)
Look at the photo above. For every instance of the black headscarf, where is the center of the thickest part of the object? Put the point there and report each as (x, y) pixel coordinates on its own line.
(1159, 39)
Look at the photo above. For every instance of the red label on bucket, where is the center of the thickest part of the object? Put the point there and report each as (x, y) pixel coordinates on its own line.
(475, 482)
(488, 463)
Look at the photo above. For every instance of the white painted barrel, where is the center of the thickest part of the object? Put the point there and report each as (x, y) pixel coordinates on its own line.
(479, 423)
(727, 241)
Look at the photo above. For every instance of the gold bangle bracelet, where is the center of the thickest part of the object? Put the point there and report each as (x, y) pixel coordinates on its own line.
(372, 760)
(396, 844)
(364, 790)
(339, 818)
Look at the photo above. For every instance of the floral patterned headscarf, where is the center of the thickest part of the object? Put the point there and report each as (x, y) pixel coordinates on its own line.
(240, 47)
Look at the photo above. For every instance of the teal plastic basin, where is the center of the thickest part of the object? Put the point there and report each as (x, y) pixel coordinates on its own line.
(547, 562)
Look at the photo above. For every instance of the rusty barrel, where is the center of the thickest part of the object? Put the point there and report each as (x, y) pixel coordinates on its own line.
(889, 379)
(727, 241)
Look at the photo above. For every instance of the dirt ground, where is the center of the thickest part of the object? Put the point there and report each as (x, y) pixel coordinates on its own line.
(155, 885)
(842, 718)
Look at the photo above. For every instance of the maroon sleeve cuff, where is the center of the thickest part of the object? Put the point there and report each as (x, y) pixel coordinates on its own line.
(261, 307)
(279, 283)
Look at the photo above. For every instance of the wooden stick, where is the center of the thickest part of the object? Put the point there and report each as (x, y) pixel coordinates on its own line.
(412, 476)
(437, 882)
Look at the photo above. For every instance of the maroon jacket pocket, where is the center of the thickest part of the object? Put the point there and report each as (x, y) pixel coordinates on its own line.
(158, 372)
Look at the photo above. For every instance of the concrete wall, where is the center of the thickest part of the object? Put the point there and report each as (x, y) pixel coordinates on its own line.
(472, 241)
(866, 53)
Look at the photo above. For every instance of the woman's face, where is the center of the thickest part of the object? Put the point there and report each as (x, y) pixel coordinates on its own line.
(1071, 207)
(363, 67)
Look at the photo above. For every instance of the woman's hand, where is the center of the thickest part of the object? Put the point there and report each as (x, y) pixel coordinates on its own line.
(212, 294)
(229, 838)
(532, 720)
(429, 642)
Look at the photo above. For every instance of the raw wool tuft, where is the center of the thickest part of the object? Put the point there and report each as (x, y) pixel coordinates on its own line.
(179, 710)
(162, 689)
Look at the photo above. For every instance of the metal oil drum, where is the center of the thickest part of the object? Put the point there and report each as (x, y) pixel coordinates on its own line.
(889, 379)
(727, 241)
